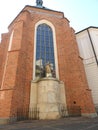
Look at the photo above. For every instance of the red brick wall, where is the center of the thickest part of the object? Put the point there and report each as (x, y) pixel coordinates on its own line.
(3, 53)
(72, 71)
(5, 103)
(19, 69)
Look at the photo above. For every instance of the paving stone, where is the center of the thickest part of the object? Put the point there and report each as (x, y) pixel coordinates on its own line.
(62, 124)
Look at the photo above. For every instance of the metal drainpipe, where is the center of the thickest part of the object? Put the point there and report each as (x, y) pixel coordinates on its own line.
(92, 47)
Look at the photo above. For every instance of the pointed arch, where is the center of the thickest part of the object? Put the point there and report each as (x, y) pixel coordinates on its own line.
(52, 28)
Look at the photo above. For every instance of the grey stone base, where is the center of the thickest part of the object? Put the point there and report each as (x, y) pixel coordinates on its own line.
(7, 120)
(4, 120)
(92, 115)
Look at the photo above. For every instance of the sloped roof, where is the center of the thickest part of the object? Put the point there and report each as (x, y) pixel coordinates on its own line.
(36, 8)
(86, 29)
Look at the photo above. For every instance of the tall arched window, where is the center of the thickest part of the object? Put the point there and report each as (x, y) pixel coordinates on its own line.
(44, 50)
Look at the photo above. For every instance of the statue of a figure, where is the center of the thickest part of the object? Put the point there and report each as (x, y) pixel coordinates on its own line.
(39, 2)
(48, 70)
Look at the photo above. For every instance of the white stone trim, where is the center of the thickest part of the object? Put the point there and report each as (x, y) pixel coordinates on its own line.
(55, 47)
(10, 41)
(9, 48)
(4, 71)
(47, 14)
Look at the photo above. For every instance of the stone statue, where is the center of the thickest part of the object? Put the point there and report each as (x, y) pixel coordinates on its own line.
(48, 70)
(39, 3)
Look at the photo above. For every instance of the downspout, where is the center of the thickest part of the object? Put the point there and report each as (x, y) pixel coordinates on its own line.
(92, 47)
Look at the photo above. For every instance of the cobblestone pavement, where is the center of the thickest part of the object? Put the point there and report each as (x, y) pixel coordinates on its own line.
(72, 123)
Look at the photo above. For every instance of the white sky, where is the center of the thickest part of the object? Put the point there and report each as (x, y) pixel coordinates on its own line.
(81, 13)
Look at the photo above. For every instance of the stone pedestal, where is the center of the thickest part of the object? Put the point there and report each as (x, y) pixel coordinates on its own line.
(48, 94)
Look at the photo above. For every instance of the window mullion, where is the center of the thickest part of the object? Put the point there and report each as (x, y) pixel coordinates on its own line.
(45, 44)
(46, 48)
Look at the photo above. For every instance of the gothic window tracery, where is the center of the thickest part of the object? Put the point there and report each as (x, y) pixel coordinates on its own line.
(44, 50)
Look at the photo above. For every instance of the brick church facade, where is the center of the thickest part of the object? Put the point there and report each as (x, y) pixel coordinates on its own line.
(18, 58)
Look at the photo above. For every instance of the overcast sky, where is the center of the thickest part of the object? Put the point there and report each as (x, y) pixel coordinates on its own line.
(81, 13)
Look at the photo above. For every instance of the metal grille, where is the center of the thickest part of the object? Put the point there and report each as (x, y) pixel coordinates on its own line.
(73, 111)
(28, 114)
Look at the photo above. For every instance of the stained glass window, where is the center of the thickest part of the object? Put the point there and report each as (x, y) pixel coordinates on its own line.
(44, 50)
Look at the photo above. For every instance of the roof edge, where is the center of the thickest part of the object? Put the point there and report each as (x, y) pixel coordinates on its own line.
(43, 7)
(33, 7)
(86, 29)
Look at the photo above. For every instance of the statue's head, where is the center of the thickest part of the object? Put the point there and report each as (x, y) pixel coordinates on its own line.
(39, 2)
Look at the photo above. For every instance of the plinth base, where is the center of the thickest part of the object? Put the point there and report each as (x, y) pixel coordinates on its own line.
(48, 94)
